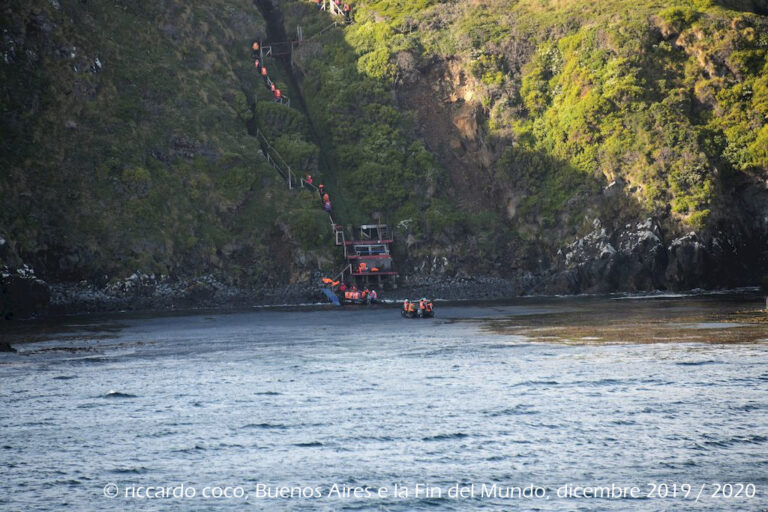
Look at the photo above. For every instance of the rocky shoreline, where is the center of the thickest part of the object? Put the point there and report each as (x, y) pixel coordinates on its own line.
(33, 297)
(634, 259)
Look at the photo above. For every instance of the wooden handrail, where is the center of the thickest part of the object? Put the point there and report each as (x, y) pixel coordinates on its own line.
(280, 166)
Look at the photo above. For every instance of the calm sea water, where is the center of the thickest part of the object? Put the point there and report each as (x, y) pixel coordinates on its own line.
(537, 396)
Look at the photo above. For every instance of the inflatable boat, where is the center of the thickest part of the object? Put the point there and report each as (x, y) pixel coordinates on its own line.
(417, 312)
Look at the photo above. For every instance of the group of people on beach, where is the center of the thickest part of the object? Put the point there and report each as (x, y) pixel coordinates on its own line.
(351, 293)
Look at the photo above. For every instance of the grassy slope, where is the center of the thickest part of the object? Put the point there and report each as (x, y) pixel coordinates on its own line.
(670, 98)
(144, 163)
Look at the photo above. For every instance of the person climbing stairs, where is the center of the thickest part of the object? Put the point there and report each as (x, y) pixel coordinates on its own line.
(377, 252)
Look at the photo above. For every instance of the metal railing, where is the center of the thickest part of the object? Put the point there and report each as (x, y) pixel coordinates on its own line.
(277, 161)
(340, 275)
(338, 234)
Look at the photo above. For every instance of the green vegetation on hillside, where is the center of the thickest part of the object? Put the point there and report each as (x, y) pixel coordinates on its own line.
(125, 144)
(377, 165)
(669, 97)
(126, 129)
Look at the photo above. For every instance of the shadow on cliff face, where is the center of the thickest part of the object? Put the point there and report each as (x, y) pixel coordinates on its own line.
(469, 209)
(501, 208)
(128, 153)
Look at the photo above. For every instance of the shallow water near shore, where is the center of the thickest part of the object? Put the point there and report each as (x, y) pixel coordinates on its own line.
(653, 392)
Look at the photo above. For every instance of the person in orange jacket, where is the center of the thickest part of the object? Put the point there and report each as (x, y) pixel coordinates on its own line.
(326, 198)
(347, 11)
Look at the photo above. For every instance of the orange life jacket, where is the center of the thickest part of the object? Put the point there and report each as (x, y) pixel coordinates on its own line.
(405, 306)
(375, 269)
(363, 267)
(277, 93)
(264, 71)
(412, 307)
(256, 63)
(255, 46)
(422, 304)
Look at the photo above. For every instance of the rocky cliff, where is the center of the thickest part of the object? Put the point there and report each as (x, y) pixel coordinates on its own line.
(547, 147)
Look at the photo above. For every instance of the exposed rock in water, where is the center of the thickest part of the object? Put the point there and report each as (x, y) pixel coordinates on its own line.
(6, 347)
(23, 294)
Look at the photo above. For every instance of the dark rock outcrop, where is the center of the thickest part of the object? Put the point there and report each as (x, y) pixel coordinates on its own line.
(6, 347)
(142, 291)
(23, 294)
(639, 258)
